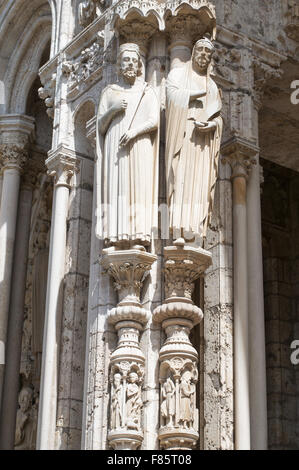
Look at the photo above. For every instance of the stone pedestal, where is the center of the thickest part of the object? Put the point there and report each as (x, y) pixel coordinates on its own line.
(128, 268)
(178, 358)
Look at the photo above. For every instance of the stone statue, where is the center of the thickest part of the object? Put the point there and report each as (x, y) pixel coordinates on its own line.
(193, 135)
(133, 403)
(23, 433)
(86, 12)
(187, 395)
(116, 403)
(168, 403)
(127, 156)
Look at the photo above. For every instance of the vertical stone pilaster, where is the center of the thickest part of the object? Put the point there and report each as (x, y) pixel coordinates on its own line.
(62, 165)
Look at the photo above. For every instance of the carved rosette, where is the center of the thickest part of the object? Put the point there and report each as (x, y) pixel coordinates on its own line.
(178, 358)
(128, 269)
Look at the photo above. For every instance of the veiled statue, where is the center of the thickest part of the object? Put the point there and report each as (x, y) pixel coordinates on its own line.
(127, 156)
(193, 135)
(116, 403)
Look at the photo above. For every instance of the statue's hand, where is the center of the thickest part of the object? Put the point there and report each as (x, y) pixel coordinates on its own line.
(205, 127)
(127, 137)
(120, 106)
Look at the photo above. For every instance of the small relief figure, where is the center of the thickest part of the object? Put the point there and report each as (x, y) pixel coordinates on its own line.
(23, 421)
(134, 402)
(116, 400)
(187, 395)
(168, 403)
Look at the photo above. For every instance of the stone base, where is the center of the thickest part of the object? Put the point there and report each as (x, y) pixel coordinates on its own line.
(178, 438)
(125, 440)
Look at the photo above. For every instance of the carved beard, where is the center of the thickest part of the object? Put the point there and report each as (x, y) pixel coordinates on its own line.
(129, 74)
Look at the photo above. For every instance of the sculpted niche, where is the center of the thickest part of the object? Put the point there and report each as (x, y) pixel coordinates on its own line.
(127, 156)
(193, 136)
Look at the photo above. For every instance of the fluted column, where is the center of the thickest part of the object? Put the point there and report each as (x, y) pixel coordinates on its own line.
(16, 312)
(62, 164)
(240, 155)
(179, 421)
(128, 268)
(15, 131)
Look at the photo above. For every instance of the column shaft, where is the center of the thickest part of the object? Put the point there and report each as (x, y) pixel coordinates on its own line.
(241, 353)
(15, 323)
(49, 375)
(8, 218)
(258, 383)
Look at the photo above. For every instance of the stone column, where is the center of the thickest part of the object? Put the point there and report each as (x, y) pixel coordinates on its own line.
(240, 154)
(16, 315)
(178, 376)
(62, 164)
(257, 348)
(128, 268)
(15, 131)
(183, 31)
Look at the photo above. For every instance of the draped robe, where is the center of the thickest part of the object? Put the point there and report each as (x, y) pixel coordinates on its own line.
(127, 177)
(191, 156)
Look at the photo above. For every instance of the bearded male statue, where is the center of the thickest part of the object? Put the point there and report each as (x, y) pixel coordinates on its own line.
(193, 136)
(127, 157)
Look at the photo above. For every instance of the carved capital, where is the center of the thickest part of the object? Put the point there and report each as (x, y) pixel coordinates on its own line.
(62, 164)
(137, 31)
(13, 156)
(128, 268)
(240, 154)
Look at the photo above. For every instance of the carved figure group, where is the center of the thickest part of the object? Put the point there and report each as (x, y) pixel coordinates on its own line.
(178, 406)
(126, 403)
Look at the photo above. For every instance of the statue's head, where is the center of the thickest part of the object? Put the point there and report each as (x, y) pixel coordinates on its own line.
(129, 61)
(202, 54)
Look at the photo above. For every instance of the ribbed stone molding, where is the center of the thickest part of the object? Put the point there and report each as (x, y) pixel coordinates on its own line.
(178, 358)
(128, 268)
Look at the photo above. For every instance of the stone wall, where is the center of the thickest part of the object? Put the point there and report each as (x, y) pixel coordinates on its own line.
(280, 251)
